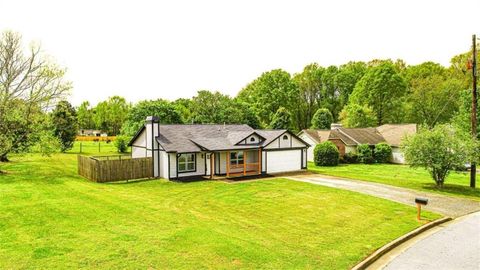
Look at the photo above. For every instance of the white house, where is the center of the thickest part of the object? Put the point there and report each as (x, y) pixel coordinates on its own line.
(181, 151)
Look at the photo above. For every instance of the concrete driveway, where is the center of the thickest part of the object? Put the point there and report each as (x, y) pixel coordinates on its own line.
(445, 205)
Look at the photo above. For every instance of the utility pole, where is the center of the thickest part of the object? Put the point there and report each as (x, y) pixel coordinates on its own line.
(473, 168)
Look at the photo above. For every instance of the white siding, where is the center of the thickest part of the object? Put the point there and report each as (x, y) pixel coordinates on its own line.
(173, 165)
(286, 140)
(304, 159)
(264, 161)
(284, 161)
(163, 164)
(140, 140)
(312, 144)
(139, 152)
(397, 155)
(200, 166)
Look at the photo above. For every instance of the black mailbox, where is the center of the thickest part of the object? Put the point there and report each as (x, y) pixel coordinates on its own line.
(422, 201)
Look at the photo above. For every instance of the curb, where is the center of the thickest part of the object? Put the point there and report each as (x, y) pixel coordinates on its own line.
(395, 243)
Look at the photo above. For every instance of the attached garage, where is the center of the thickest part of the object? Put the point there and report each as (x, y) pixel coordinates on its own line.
(284, 160)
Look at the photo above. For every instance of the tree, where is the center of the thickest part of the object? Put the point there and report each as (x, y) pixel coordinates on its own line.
(438, 150)
(85, 116)
(46, 144)
(29, 85)
(65, 125)
(346, 78)
(326, 154)
(111, 114)
(309, 83)
(182, 106)
(356, 116)
(322, 119)
(330, 91)
(281, 120)
(382, 88)
(121, 143)
(432, 94)
(269, 92)
(136, 116)
(214, 107)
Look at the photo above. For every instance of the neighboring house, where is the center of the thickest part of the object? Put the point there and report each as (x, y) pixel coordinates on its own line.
(180, 151)
(313, 137)
(89, 132)
(347, 139)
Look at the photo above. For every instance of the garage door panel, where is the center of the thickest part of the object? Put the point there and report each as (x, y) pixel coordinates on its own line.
(284, 161)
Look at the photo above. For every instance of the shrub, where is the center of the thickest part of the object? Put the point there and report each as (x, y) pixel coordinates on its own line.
(121, 143)
(364, 153)
(350, 158)
(382, 153)
(322, 119)
(326, 154)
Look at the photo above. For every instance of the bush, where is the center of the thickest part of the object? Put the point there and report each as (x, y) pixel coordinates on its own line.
(322, 119)
(121, 143)
(364, 153)
(350, 158)
(326, 154)
(382, 153)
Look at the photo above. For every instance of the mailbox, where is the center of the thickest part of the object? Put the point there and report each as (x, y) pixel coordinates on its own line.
(422, 201)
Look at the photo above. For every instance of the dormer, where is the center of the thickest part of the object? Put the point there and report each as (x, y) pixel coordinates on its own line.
(253, 138)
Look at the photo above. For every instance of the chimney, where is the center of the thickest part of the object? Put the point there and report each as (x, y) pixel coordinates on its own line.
(152, 128)
(335, 126)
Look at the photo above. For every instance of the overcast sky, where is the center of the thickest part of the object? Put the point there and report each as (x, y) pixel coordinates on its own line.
(171, 49)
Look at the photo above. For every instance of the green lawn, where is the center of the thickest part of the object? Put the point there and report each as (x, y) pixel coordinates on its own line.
(457, 183)
(94, 148)
(51, 218)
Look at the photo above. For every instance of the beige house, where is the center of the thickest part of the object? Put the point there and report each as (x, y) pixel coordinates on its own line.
(347, 139)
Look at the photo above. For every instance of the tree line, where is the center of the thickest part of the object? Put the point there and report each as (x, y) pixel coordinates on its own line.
(34, 110)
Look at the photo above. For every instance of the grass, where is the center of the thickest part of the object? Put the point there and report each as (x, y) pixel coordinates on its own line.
(51, 218)
(94, 148)
(456, 184)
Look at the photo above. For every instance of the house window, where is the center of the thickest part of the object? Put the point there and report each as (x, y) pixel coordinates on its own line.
(285, 137)
(186, 163)
(252, 139)
(236, 158)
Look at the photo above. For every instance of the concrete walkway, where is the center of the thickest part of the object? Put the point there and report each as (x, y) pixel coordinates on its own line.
(445, 205)
(454, 245)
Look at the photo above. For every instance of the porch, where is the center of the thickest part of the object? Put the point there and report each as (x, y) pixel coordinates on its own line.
(236, 163)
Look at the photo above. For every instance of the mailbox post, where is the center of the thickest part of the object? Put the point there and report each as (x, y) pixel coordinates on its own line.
(420, 202)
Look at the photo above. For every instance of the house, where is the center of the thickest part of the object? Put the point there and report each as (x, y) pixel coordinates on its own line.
(89, 132)
(181, 151)
(347, 139)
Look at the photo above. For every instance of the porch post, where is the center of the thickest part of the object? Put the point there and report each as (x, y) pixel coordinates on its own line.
(259, 161)
(228, 163)
(245, 163)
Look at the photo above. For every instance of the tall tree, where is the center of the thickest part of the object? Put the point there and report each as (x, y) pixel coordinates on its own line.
(383, 89)
(357, 116)
(282, 119)
(347, 77)
(29, 84)
(310, 85)
(65, 125)
(111, 114)
(433, 95)
(269, 92)
(85, 116)
(136, 116)
(322, 119)
(330, 91)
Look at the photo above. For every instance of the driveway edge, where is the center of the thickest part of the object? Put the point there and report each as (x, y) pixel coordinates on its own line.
(388, 247)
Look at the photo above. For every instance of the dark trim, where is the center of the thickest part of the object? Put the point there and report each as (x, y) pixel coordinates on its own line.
(194, 163)
(144, 147)
(295, 136)
(158, 154)
(168, 156)
(284, 149)
(153, 151)
(306, 158)
(301, 159)
(136, 136)
(266, 162)
(205, 161)
(254, 132)
(176, 167)
(290, 141)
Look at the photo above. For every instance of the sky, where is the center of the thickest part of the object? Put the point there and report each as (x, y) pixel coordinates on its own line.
(171, 49)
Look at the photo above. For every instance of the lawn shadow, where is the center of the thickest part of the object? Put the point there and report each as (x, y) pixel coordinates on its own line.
(453, 189)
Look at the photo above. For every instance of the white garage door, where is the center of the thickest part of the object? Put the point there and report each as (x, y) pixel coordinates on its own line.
(284, 161)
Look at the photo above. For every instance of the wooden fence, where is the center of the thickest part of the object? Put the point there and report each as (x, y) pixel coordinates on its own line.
(114, 168)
